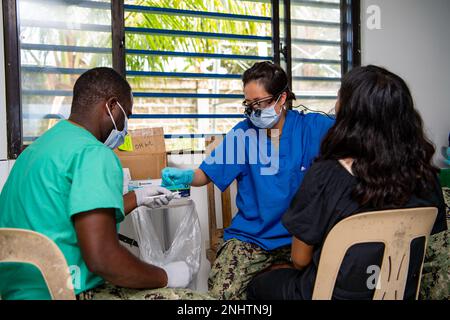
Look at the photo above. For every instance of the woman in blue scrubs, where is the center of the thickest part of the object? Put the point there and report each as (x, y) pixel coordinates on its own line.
(376, 157)
(268, 155)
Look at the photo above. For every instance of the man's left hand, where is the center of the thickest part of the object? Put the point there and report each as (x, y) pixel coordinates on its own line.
(153, 197)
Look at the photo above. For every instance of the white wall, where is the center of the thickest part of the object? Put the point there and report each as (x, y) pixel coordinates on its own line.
(5, 169)
(414, 42)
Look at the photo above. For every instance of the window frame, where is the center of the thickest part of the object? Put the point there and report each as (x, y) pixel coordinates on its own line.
(12, 79)
(282, 53)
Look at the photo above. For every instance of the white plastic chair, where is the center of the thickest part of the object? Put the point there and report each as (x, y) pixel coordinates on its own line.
(395, 228)
(25, 246)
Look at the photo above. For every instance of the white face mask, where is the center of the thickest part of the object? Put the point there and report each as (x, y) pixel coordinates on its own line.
(116, 138)
(268, 117)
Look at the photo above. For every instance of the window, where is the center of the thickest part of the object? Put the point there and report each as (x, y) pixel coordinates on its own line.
(316, 51)
(183, 58)
(57, 40)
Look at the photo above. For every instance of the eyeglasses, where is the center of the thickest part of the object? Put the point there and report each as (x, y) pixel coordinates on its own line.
(256, 106)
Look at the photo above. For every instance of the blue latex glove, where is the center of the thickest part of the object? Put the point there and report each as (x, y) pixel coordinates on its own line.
(174, 176)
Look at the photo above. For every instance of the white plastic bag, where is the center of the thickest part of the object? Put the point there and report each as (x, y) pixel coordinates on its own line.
(169, 234)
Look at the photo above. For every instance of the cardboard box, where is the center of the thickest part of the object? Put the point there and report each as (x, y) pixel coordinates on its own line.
(149, 155)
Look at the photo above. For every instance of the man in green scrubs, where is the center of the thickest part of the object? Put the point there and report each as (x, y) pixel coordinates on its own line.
(68, 185)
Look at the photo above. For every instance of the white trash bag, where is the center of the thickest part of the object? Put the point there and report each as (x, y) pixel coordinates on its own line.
(169, 234)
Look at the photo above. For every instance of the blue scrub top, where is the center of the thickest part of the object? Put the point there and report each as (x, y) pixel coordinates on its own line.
(267, 176)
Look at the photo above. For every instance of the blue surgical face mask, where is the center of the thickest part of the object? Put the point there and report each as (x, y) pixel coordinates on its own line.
(116, 138)
(267, 118)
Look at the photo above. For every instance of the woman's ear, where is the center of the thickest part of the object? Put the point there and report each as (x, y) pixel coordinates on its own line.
(283, 98)
(281, 102)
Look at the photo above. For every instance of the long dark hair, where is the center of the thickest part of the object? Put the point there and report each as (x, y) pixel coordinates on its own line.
(272, 77)
(378, 126)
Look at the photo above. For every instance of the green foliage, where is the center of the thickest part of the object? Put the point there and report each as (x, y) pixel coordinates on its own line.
(192, 23)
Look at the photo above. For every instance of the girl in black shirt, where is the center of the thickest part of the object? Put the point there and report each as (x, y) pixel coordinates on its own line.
(376, 157)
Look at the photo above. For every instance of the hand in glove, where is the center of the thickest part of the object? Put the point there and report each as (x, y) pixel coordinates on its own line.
(176, 177)
(143, 197)
(179, 274)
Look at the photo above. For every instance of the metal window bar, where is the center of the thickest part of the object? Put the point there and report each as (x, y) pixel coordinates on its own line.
(183, 75)
(199, 14)
(316, 4)
(67, 93)
(62, 48)
(195, 34)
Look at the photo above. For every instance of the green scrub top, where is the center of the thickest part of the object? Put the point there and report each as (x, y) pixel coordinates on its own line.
(65, 172)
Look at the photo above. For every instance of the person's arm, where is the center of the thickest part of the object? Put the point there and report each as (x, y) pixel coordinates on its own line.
(129, 202)
(200, 178)
(301, 254)
(104, 256)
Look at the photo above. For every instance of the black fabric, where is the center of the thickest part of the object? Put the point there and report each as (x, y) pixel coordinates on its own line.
(263, 287)
(323, 200)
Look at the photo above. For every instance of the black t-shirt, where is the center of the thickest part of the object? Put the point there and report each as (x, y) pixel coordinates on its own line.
(324, 199)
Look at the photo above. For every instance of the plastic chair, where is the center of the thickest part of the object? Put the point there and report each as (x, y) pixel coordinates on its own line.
(395, 228)
(25, 246)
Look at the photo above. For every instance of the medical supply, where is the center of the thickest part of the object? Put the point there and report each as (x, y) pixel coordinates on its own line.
(148, 156)
(136, 184)
(173, 195)
(182, 191)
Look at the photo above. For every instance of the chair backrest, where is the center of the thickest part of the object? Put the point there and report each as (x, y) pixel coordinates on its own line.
(216, 233)
(395, 228)
(25, 246)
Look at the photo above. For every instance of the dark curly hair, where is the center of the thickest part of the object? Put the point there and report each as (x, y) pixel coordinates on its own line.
(96, 85)
(378, 126)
